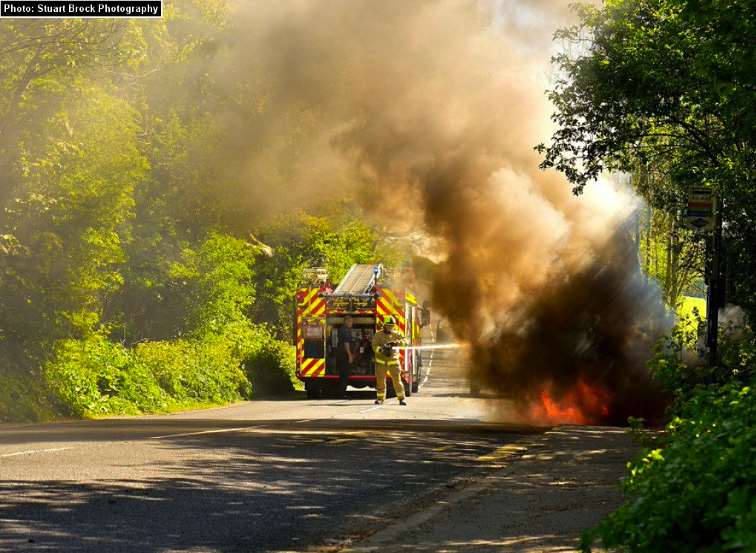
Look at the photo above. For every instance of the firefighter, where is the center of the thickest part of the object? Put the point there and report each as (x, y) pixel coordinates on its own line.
(345, 356)
(385, 344)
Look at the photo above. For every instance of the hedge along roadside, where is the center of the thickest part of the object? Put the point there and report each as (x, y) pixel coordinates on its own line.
(697, 492)
(96, 377)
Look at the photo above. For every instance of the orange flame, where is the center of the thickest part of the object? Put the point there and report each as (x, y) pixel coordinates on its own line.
(582, 404)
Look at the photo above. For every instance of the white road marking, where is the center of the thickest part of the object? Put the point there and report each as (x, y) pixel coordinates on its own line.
(430, 367)
(201, 432)
(31, 451)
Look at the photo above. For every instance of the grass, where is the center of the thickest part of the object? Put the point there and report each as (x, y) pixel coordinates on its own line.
(688, 304)
(685, 310)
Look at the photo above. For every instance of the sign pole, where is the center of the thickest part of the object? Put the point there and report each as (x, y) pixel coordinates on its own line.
(704, 213)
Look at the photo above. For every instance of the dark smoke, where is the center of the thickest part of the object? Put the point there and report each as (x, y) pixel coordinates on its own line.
(594, 328)
(426, 112)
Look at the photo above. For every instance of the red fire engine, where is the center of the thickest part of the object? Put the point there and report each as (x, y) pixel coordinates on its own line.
(366, 295)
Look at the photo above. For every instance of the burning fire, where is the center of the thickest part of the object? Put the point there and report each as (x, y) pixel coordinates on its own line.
(582, 404)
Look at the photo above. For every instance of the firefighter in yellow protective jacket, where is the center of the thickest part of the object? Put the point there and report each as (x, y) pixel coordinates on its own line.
(385, 344)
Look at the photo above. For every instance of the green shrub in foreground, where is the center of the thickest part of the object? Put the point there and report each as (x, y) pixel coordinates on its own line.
(195, 372)
(94, 377)
(699, 492)
(271, 369)
(25, 397)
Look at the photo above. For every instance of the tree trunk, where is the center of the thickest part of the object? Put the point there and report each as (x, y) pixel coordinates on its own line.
(674, 265)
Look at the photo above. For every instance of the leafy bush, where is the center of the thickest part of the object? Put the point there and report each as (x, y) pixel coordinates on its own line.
(25, 397)
(271, 368)
(94, 376)
(698, 492)
(218, 279)
(683, 376)
(195, 372)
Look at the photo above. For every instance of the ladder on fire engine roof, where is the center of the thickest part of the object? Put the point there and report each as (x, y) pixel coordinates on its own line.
(359, 280)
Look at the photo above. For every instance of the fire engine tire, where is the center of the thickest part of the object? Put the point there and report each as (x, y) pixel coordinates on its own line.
(313, 389)
(331, 390)
(418, 373)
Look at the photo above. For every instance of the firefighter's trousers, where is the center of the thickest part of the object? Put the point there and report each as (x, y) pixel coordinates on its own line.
(380, 379)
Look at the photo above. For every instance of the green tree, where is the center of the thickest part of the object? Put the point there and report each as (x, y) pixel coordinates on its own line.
(668, 84)
(70, 219)
(670, 253)
(304, 241)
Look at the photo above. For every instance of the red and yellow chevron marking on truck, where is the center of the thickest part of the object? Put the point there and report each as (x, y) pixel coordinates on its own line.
(312, 368)
(320, 313)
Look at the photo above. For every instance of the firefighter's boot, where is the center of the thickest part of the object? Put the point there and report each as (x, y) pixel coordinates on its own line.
(396, 382)
(380, 382)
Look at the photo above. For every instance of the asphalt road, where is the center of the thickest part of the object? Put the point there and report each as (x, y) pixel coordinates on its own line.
(287, 475)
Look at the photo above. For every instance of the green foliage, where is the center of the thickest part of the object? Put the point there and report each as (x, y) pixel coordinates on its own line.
(195, 372)
(665, 86)
(302, 241)
(271, 367)
(95, 377)
(670, 254)
(130, 278)
(697, 492)
(684, 377)
(70, 221)
(217, 282)
(26, 397)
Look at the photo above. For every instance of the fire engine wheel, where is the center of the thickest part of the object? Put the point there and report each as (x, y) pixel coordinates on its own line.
(313, 389)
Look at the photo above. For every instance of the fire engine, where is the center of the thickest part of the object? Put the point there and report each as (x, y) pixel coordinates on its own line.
(367, 295)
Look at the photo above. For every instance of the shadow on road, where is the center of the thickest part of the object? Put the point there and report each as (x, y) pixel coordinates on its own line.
(145, 428)
(565, 482)
(273, 486)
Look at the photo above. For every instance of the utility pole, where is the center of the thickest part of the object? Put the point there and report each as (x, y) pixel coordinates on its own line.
(714, 294)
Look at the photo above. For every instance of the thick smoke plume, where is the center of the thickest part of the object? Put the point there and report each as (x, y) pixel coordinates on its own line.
(427, 112)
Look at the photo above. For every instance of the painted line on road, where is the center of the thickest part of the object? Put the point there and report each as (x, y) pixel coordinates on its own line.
(267, 429)
(502, 452)
(32, 451)
(430, 367)
(392, 532)
(220, 431)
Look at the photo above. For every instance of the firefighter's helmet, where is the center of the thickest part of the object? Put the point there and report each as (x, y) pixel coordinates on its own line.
(389, 320)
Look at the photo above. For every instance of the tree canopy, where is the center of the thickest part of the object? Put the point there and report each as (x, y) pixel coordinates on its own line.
(668, 85)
